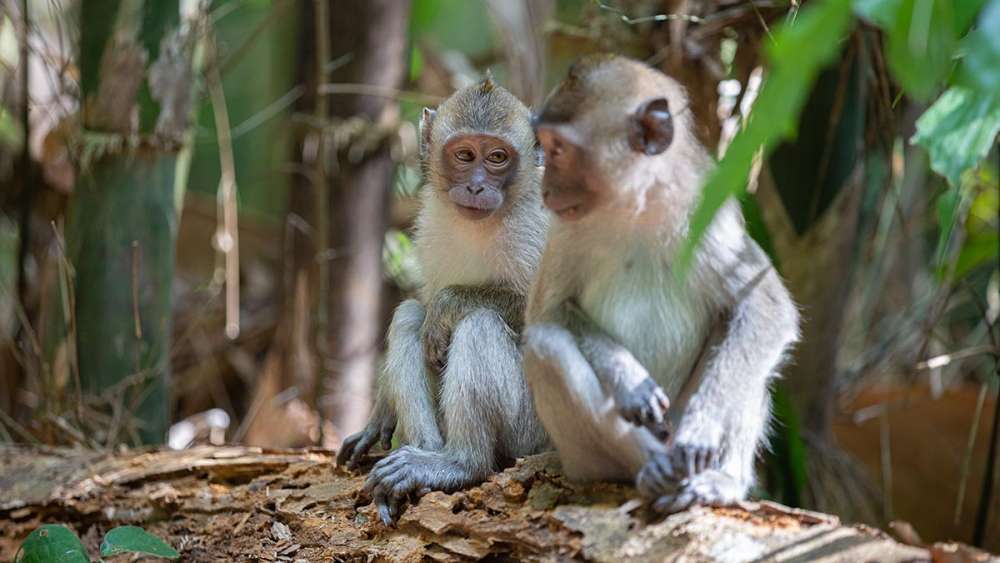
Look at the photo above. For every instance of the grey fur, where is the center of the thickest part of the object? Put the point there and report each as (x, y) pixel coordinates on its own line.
(453, 374)
(610, 327)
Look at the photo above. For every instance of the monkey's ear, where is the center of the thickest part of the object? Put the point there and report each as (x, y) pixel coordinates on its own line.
(651, 127)
(426, 120)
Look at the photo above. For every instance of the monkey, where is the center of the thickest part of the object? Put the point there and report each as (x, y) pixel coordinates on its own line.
(637, 372)
(452, 379)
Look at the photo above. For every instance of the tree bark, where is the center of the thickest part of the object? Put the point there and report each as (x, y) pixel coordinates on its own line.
(372, 43)
(237, 503)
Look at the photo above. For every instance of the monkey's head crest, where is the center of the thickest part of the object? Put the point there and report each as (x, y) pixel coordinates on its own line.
(487, 85)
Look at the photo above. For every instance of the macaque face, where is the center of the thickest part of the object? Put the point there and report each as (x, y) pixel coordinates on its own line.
(571, 187)
(478, 169)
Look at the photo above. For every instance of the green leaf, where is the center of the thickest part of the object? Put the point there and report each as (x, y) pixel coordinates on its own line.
(958, 130)
(133, 539)
(980, 69)
(922, 41)
(757, 228)
(786, 460)
(10, 131)
(947, 206)
(799, 50)
(52, 543)
(879, 12)
(976, 252)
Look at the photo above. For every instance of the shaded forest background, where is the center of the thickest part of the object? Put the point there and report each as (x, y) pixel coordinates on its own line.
(219, 264)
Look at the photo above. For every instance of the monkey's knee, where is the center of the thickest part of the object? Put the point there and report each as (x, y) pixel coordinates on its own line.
(407, 319)
(480, 327)
(545, 344)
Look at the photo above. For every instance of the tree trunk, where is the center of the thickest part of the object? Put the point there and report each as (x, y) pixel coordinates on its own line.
(372, 43)
(291, 361)
(136, 83)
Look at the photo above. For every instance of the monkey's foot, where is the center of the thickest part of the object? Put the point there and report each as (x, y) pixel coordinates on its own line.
(356, 446)
(410, 471)
(664, 472)
(709, 488)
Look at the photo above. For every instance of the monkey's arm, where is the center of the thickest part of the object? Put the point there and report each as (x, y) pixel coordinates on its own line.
(728, 406)
(638, 398)
(451, 304)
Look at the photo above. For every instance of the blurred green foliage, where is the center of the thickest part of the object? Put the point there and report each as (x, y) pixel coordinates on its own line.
(257, 81)
(924, 41)
(798, 52)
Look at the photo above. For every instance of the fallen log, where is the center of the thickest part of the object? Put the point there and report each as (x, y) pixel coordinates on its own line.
(229, 503)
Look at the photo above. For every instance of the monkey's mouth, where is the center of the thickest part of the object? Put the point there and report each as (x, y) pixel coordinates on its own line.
(474, 213)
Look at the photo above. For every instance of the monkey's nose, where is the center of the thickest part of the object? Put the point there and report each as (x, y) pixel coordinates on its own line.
(475, 190)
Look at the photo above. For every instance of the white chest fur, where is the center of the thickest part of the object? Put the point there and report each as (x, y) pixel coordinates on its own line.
(634, 297)
(455, 251)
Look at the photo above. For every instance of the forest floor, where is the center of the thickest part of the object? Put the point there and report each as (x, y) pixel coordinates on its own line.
(228, 503)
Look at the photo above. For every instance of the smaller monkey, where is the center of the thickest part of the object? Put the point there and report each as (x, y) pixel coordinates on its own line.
(452, 379)
(612, 331)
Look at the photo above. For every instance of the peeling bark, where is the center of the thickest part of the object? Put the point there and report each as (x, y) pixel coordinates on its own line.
(293, 505)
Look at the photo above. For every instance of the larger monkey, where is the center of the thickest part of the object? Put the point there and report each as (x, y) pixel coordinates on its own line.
(452, 377)
(613, 331)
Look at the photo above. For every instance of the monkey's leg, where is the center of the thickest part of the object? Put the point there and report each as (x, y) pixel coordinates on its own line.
(594, 442)
(482, 391)
(405, 381)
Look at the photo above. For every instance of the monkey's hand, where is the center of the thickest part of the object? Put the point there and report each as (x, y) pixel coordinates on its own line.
(435, 337)
(411, 472)
(644, 405)
(380, 428)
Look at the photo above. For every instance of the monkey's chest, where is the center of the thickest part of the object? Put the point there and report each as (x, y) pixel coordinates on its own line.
(662, 324)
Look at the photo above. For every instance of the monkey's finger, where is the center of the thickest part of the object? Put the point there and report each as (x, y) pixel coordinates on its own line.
(394, 503)
(692, 462)
(347, 449)
(661, 431)
(384, 515)
(679, 459)
(393, 508)
(702, 457)
(656, 413)
(653, 479)
(715, 461)
(385, 438)
(399, 492)
(662, 399)
(361, 449)
(394, 461)
(386, 478)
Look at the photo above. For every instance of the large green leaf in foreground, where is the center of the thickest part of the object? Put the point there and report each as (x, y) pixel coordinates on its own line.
(133, 539)
(52, 543)
(958, 130)
(797, 54)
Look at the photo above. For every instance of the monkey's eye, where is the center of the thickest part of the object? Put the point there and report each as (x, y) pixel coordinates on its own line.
(465, 155)
(497, 157)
